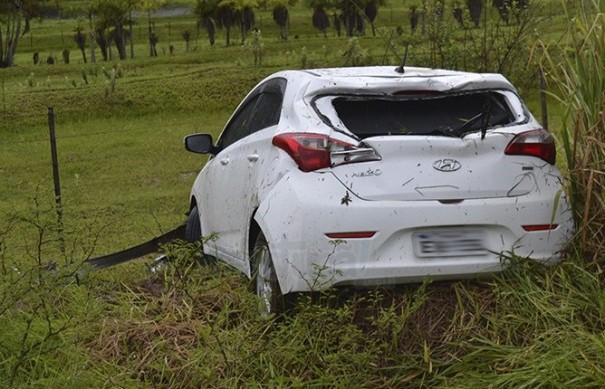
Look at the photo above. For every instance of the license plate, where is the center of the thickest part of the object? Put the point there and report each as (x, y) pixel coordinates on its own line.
(449, 242)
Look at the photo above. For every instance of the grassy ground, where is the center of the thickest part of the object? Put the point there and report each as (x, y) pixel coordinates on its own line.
(125, 178)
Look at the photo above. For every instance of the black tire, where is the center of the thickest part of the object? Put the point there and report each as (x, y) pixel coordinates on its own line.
(264, 279)
(193, 229)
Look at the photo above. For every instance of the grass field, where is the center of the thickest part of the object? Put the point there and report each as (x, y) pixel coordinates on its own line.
(125, 178)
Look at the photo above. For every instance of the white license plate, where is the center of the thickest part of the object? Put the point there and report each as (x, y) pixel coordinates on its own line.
(451, 242)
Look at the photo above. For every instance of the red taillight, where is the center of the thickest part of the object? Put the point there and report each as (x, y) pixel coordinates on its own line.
(316, 151)
(536, 143)
(309, 151)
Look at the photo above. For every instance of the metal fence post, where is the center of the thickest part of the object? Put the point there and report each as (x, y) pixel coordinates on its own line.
(57, 183)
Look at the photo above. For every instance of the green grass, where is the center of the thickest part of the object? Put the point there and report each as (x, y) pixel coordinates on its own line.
(125, 178)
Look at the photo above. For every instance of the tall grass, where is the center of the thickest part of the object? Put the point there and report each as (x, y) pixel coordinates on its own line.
(577, 66)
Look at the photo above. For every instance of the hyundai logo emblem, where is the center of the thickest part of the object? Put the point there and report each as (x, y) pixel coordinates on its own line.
(446, 165)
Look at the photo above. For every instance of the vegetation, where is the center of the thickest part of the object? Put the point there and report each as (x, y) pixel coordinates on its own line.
(125, 179)
(15, 18)
(578, 69)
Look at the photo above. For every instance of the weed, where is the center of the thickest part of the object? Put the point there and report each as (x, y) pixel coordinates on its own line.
(257, 46)
(354, 55)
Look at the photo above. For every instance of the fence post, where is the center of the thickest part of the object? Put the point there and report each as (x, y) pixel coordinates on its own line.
(55, 163)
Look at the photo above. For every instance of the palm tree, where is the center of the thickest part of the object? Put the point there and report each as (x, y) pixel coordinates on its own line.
(112, 16)
(206, 12)
(320, 18)
(237, 12)
(321, 21)
(226, 18)
(371, 11)
(351, 15)
(281, 15)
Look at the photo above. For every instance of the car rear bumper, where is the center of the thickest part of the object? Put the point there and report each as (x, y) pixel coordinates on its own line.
(302, 208)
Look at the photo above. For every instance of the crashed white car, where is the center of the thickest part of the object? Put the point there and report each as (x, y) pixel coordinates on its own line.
(377, 176)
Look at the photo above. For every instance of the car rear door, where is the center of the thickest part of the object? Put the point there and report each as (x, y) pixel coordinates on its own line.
(232, 175)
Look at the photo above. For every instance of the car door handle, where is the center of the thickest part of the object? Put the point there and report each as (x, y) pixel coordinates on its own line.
(224, 161)
(253, 157)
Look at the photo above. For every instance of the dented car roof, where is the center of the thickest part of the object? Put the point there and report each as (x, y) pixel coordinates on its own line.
(387, 80)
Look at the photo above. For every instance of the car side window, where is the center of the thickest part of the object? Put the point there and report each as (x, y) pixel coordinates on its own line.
(239, 127)
(267, 111)
(261, 110)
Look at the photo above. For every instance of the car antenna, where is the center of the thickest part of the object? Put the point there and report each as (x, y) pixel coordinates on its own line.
(400, 69)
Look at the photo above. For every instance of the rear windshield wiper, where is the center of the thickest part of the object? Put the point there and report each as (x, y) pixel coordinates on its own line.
(469, 123)
(484, 116)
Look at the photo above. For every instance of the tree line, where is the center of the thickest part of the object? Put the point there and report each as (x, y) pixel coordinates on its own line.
(108, 24)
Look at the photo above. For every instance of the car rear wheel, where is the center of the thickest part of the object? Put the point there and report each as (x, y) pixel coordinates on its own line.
(264, 279)
(193, 229)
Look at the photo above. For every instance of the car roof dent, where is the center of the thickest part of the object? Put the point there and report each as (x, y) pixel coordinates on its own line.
(384, 79)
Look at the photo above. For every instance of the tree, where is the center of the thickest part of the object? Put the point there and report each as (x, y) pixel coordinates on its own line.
(371, 11)
(475, 7)
(15, 17)
(80, 40)
(225, 18)
(281, 15)
(149, 6)
(111, 17)
(240, 12)
(206, 12)
(349, 11)
(320, 18)
(187, 39)
(89, 12)
(225, 14)
(414, 19)
(153, 41)
(101, 40)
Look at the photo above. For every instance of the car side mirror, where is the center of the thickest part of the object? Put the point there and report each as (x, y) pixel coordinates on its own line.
(200, 144)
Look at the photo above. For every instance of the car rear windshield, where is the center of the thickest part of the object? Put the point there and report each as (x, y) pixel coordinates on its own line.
(423, 114)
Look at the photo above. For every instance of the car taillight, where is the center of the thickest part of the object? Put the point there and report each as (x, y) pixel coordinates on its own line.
(317, 151)
(535, 143)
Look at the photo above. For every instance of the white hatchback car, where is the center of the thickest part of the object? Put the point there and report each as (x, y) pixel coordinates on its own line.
(371, 176)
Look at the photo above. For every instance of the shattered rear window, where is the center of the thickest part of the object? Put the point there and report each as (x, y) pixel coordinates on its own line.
(425, 114)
